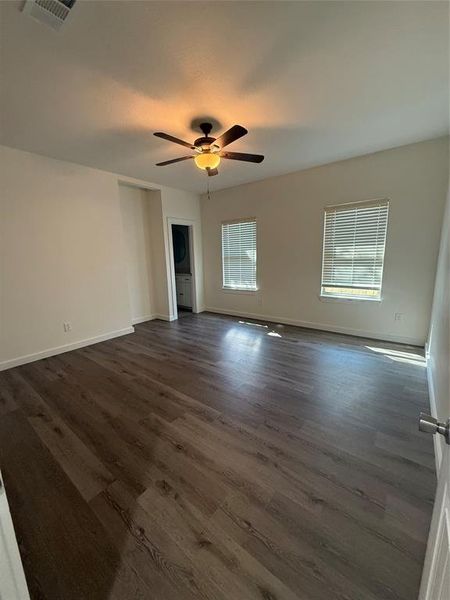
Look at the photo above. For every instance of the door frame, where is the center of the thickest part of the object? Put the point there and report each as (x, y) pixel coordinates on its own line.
(192, 226)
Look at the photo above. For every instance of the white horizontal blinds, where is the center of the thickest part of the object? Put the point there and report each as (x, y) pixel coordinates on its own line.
(239, 255)
(353, 249)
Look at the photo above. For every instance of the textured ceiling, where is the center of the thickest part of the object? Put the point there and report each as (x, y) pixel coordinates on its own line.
(314, 82)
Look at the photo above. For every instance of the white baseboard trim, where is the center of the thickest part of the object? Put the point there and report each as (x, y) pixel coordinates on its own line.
(159, 316)
(437, 439)
(22, 360)
(165, 317)
(320, 326)
(137, 320)
(152, 317)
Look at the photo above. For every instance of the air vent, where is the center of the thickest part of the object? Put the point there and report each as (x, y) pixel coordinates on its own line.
(51, 12)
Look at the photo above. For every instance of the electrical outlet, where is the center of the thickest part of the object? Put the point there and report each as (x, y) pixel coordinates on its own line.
(67, 326)
(398, 316)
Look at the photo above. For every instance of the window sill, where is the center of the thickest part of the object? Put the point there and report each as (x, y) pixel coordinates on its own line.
(341, 299)
(239, 290)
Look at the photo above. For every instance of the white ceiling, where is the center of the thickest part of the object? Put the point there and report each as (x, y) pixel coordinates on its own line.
(314, 82)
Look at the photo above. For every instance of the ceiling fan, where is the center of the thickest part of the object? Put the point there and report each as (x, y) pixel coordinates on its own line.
(209, 150)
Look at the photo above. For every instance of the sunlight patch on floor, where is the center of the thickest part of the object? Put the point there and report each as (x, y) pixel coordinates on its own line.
(418, 363)
(253, 324)
(270, 333)
(247, 339)
(410, 358)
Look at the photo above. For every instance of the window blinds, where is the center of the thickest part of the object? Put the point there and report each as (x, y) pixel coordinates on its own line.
(239, 255)
(353, 249)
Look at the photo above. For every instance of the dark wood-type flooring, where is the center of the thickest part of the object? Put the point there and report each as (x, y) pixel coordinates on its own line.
(216, 459)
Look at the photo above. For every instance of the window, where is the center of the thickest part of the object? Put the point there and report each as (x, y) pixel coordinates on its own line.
(239, 255)
(353, 250)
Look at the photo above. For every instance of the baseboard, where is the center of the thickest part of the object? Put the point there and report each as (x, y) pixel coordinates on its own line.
(165, 317)
(137, 320)
(320, 326)
(22, 360)
(152, 317)
(437, 439)
(159, 316)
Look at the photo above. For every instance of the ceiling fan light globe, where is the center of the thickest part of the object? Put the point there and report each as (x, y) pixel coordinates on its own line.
(207, 160)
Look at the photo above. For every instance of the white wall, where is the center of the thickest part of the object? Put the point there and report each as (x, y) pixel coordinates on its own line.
(289, 213)
(438, 347)
(159, 256)
(135, 209)
(62, 255)
(164, 206)
(184, 208)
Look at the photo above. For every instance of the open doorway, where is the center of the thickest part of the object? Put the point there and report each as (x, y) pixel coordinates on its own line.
(182, 264)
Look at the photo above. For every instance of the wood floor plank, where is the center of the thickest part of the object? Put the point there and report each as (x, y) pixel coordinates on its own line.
(80, 464)
(7, 403)
(223, 459)
(65, 551)
(236, 475)
(304, 564)
(227, 564)
(148, 546)
(306, 483)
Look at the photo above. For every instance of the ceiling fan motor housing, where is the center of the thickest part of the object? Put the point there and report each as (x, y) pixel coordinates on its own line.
(204, 141)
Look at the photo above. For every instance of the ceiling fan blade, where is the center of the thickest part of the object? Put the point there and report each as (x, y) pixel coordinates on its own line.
(174, 160)
(254, 158)
(212, 172)
(170, 138)
(233, 134)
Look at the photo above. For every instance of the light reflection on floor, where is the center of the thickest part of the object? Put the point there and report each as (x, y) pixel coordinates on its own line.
(270, 333)
(244, 345)
(410, 358)
(250, 341)
(253, 324)
(254, 343)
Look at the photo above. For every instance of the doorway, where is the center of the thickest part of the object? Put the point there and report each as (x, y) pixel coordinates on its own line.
(182, 263)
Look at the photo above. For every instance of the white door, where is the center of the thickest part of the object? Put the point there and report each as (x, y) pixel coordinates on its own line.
(12, 579)
(436, 572)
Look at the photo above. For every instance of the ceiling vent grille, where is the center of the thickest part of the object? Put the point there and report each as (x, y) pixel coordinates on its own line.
(51, 12)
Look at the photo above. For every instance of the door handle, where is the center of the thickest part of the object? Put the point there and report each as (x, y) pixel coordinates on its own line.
(429, 424)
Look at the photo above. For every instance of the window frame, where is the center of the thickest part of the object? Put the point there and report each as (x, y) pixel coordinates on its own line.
(342, 298)
(239, 290)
